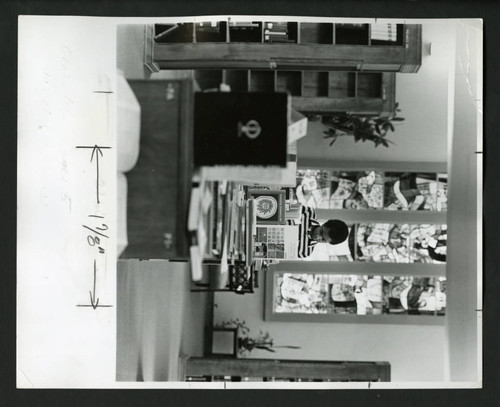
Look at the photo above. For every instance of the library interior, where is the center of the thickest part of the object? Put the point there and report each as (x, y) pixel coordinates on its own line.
(232, 135)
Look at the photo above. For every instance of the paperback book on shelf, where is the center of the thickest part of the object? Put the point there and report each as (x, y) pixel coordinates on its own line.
(383, 32)
(221, 225)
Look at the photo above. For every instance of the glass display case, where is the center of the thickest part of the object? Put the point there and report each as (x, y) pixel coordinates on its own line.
(370, 189)
(311, 293)
(393, 216)
(401, 243)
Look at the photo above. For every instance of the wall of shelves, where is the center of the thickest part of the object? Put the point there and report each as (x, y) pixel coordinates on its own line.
(300, 83)
(326, 67)
(289, 32)
(312, 91)
(287, 45)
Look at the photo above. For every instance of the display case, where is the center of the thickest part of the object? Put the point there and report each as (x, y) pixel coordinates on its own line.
(325, 188)
(353, 293)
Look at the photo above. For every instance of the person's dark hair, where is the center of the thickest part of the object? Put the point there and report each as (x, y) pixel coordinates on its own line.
(337, 231)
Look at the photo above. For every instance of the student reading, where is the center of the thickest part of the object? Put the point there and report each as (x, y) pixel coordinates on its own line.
(311, 232)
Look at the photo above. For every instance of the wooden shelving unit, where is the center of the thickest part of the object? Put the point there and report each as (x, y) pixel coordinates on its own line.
(287, 45)
(268, 370)
(312, 91)
(326, 67)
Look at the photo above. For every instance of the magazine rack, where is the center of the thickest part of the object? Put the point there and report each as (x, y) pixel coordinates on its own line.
(239, 279)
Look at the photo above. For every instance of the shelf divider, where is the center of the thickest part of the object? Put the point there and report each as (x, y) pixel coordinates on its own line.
(356, 84)
(302, 76)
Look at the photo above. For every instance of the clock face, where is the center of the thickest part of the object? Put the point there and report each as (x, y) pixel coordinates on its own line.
(266, 206)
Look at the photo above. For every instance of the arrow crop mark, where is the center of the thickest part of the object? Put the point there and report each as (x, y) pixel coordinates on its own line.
(93, 301)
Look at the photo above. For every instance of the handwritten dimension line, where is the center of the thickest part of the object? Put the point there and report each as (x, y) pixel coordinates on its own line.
(96, 150)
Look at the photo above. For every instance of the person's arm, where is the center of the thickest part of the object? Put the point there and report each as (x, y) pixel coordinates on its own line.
(300, 194)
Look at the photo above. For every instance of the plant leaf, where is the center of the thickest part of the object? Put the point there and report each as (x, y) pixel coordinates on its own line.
(288, 346)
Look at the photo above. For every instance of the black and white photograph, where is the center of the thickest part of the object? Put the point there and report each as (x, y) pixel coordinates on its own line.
(245, 202)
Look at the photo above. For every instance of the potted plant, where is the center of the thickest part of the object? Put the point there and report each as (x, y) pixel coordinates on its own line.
(247, 343)
(361, 128)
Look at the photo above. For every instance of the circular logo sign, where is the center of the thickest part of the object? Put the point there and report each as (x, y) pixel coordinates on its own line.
(251, 129)
(266, 206)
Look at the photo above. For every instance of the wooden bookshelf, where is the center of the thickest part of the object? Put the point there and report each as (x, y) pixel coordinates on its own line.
(286, 45)
(319, 92)
(326, 67)
(232, 369)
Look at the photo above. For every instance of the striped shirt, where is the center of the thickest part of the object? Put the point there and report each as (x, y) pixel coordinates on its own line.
(306, 222)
